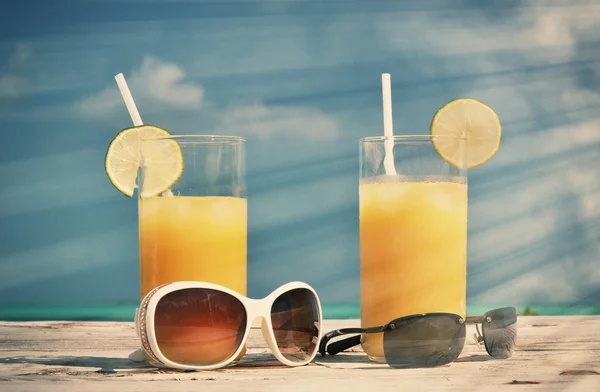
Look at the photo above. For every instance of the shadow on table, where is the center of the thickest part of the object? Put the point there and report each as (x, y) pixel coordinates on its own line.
(369, 365)
(475, 358)
(344, 358)
(108, 365)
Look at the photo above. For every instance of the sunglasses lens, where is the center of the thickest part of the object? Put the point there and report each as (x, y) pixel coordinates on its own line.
(424, 341)
(295, 320)
(199, 326)
(500, 334)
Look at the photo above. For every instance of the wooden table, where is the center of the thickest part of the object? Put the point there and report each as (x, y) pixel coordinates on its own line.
(553, 354)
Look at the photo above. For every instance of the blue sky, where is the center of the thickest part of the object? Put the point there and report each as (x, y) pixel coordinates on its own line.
(300, 80)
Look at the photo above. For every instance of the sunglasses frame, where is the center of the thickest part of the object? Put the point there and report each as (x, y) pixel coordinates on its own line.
(255, 309)
(346, 343)
(352, 341)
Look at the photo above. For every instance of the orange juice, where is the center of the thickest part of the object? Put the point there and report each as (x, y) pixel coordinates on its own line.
(413, 252)
(193, 238)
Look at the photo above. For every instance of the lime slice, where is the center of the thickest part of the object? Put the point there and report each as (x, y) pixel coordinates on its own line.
(471, 122)
(163, 161)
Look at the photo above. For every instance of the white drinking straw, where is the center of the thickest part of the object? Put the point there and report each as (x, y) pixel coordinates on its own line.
(388, 128)
(133, 112)
(131, 108)
(135, 117)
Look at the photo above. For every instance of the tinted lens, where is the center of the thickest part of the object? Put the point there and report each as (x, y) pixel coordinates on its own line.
(199, 326)
(500, 334)
(295, 319)
(424, 341)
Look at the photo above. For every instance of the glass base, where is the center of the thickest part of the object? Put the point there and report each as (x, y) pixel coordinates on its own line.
(377, 359)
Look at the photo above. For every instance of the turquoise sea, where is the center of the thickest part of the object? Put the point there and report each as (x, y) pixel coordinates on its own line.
(126, 312)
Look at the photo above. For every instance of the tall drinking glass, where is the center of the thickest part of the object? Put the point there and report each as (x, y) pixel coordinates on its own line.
(413, 233)
(197, 229)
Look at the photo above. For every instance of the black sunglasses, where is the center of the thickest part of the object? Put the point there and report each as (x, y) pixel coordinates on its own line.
(432, 339)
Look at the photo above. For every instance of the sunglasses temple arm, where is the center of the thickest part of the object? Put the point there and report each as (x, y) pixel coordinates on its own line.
(342, 345)
(334, 334)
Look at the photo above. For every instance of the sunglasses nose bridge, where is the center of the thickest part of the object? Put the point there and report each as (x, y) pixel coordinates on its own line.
(258, 311)
(258, 308)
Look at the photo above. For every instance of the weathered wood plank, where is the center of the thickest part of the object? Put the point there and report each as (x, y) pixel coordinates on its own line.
(553, 353)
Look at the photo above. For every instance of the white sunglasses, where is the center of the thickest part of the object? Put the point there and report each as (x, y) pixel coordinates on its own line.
(204, 326)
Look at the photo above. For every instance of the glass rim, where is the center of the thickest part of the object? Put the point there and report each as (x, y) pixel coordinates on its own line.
(408, 138)
(199, 139)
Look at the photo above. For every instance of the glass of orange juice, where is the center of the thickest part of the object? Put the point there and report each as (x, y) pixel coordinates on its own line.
(197, 228)
(413, 232)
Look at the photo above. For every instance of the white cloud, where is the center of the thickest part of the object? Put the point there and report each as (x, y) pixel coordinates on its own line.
(11, 86)
(156, 82)
(64, 180)
(563, 281)
(554, 27)
(12, 82)
(162, 81)
(62, 258)
(516, 234)
(266, 121)
(579, 98)
(586, 182)
(20, 56)
(548, 284)
(529, 147)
